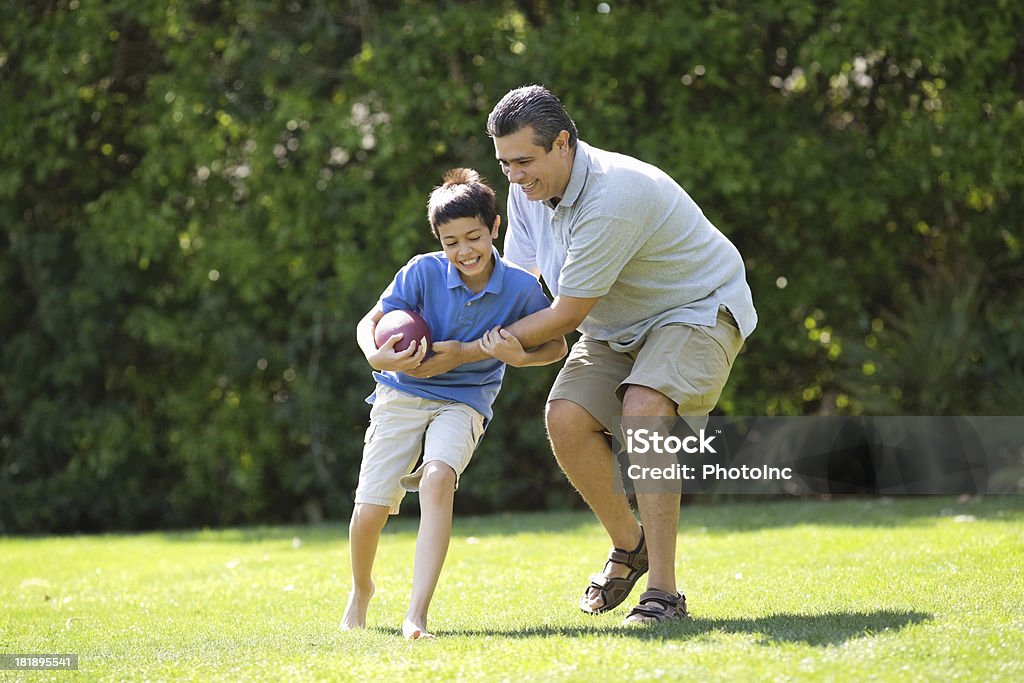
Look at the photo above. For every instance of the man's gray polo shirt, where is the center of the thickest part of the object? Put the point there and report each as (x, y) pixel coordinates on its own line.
(629, 234)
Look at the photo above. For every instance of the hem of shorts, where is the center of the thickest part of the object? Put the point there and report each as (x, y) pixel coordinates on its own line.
(620, 392)
(383, 502)
(580, 402)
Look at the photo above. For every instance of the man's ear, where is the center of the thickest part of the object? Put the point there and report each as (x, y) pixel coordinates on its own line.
(562, 141)
(494, 230)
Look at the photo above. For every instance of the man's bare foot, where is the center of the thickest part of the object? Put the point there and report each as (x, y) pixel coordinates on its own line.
(355, 611)
(413, 631)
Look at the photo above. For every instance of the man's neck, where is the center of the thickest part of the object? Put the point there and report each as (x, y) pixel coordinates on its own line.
(572, 161)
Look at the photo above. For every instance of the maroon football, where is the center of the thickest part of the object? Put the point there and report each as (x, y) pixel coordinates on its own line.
(407, 323)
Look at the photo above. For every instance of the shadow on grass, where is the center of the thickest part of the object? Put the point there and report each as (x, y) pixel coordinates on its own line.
(812, 629)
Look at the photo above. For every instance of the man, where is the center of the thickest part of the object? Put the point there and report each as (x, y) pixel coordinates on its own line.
(661, 300)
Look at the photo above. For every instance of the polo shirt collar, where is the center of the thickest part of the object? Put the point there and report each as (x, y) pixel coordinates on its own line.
(454, 280)
(578, 175)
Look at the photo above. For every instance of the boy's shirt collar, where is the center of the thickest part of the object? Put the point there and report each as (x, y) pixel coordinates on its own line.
(454, 279)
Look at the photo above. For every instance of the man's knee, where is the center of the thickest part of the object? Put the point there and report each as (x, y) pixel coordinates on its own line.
(642, 401)
(565, 418)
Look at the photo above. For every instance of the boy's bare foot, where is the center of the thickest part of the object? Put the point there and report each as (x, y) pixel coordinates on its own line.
(355, 611)
(412, 631)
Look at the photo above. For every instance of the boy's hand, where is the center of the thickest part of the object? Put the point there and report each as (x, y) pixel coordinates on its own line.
(447, 356)
(503, 345)
(386, 358)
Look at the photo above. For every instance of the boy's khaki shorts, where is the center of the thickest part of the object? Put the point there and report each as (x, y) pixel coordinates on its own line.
(687, 363)
(401, 427)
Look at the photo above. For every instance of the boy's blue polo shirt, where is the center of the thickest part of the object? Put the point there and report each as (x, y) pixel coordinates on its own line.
(430, 285)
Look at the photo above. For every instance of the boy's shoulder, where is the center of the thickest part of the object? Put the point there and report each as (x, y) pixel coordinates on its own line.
(515, 271)
(431, 262)
(428, 258)
(519, 283)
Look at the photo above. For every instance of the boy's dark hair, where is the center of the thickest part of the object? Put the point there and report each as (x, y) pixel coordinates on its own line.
(532, 105)
(461, 194)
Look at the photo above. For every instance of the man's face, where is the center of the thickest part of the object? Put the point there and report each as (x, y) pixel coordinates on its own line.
(542, 174)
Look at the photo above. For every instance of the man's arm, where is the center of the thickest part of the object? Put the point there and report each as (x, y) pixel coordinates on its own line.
(563, 316)
(504, 346)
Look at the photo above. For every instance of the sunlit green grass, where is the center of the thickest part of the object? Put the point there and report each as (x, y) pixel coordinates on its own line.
(914, 589)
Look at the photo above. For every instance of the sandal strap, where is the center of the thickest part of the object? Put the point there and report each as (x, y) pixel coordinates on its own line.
(660, 606)
(614, 590)
(622, 557)
(629, 557)
(667, 600)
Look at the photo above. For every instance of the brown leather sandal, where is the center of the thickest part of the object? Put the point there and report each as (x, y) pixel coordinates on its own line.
(657, 606)
(614, 590)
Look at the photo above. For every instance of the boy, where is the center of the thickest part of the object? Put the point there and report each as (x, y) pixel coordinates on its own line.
(465, 292)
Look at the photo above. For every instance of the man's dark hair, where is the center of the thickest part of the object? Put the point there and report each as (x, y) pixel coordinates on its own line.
(536, 106)
(461, 194)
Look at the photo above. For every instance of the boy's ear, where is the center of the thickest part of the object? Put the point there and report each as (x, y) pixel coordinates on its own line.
(494, 230)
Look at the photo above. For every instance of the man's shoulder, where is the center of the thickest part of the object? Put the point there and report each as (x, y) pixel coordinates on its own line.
(625, 187)
(604, 163)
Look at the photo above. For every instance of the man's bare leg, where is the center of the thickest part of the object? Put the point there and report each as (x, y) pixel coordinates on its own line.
(659, 512)
(583, 452)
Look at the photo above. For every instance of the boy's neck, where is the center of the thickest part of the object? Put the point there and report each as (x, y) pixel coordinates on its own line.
(478, 284)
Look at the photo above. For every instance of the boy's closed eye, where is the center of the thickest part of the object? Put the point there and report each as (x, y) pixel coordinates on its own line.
(472, 237)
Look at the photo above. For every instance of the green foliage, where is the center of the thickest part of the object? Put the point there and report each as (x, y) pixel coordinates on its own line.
(199, 199)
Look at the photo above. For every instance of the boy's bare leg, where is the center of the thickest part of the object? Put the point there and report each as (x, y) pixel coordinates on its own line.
(437, 493)
(364, 533)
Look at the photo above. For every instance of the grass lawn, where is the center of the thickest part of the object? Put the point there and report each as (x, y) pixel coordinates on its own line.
(911, 589)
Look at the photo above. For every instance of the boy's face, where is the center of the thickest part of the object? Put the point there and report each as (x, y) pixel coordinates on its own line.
(467, 244)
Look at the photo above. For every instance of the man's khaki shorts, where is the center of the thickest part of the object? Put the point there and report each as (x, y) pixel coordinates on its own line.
(687, 363)
(401, 427)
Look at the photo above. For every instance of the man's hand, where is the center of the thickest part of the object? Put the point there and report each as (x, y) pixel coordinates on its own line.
(503, 345)
(386, 358)
(448, 355)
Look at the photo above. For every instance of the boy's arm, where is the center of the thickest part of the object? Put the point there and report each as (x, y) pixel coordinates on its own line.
(503, 345)
(562, 317)
(386, 358)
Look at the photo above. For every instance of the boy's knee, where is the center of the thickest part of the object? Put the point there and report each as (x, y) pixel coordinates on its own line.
(367, 517)
(438, 477)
